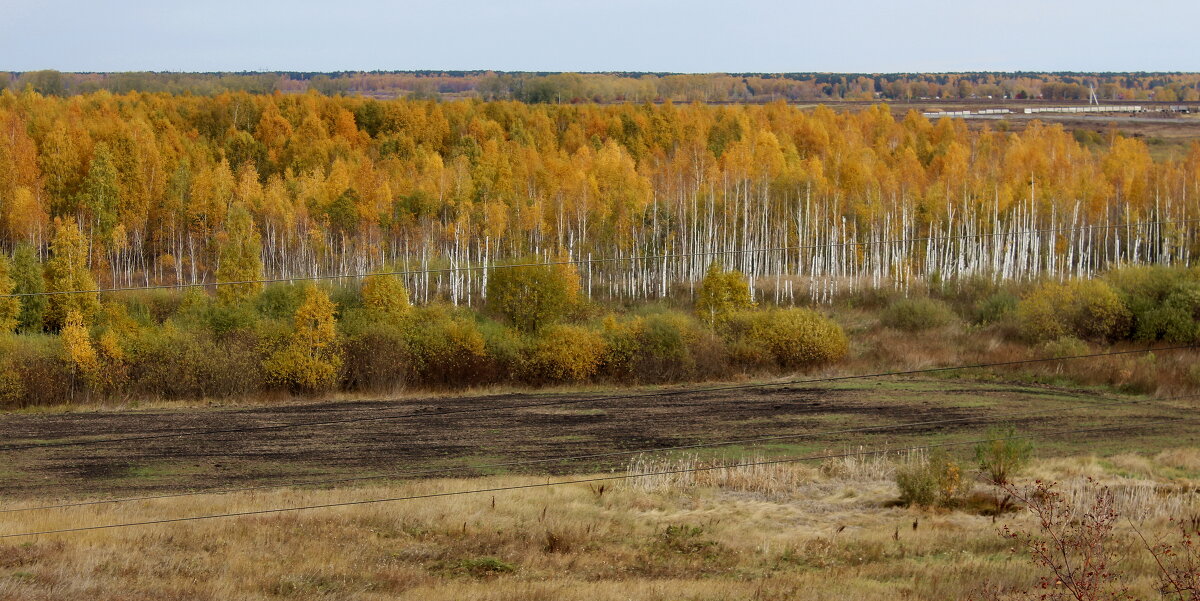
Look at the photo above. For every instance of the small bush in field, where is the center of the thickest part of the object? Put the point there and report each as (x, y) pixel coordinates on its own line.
(721, 294)
(917, 314)
(279, 301)
(172, 362)
(1065, 347)
(666, 352)
(506, 350)
(1087, 309)
(788, 338)
(655, 348)
(1003, 456)
(995, 308)
(929, 481)
(1144, 288)
(35, 371)
(623, 340)
(566, 353)
(12, 389)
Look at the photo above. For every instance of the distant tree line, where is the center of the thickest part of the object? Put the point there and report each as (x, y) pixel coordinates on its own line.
(633, 86)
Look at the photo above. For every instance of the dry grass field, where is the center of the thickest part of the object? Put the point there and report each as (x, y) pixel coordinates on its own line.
(827, 530)
(824, 529)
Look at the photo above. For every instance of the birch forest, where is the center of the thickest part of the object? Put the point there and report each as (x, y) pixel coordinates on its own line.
(476, 243)
(801, 201)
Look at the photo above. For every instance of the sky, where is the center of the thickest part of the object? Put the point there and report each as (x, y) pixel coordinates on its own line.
(699, 36)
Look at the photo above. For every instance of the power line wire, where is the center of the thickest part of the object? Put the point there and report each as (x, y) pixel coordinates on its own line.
(563, 459)
(341, 276)
(615, 477)
(559, 403)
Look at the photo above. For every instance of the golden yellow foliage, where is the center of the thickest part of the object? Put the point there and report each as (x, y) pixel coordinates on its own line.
(77, 344)
(567, 353)
(310, 360)
(67, 271)
(722, 293)
(789, 338)
(1088, 309)
(386, 295)
(10, 308)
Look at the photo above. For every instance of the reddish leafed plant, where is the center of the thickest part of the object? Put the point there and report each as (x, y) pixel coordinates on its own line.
(1075, 548)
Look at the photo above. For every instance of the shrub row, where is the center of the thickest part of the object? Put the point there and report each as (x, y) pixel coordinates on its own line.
(1132, 303)
(286, 339)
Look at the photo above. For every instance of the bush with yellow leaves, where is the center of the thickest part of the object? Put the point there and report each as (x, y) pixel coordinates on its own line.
(788, 338)
(385, 294)
(444, 346)
(566, 353)
(659, 347)
(1086, 309)
(310, 359)
(721, 294)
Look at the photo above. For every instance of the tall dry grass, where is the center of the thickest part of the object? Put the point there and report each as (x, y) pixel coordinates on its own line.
(741, 532)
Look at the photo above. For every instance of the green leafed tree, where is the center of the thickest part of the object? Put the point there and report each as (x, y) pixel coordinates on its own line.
(533, 297)
(240, 257)
(101, 193)
(10, 307)
(29, 278)
(67, 275)
(721, 294)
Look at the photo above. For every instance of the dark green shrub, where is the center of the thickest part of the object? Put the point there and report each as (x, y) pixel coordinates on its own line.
(152, 307)
(1003, 456)
(506, 351)
(33, 372)
(666, 350)
(658, 347)
(346, 297)
(917, 314)
(1175, 319)
(224, 319)
(928, 481)
(279, 301)
(1159, 300)
(995, 308)
(174, 363)
(1143, 288)
(445, 347)
(377, 357)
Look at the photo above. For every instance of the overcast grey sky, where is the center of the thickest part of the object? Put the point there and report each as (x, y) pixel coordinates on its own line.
(599, 35)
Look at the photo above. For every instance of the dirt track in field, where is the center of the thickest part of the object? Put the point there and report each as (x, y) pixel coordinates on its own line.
(426, 434)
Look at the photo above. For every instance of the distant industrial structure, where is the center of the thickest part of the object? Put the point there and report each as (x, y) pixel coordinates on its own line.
(1051, 109)
(1085, 109)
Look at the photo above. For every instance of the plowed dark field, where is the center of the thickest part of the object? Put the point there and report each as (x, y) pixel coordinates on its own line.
(142, 451)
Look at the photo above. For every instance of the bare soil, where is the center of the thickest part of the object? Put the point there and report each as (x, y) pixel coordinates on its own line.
(418, 434)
